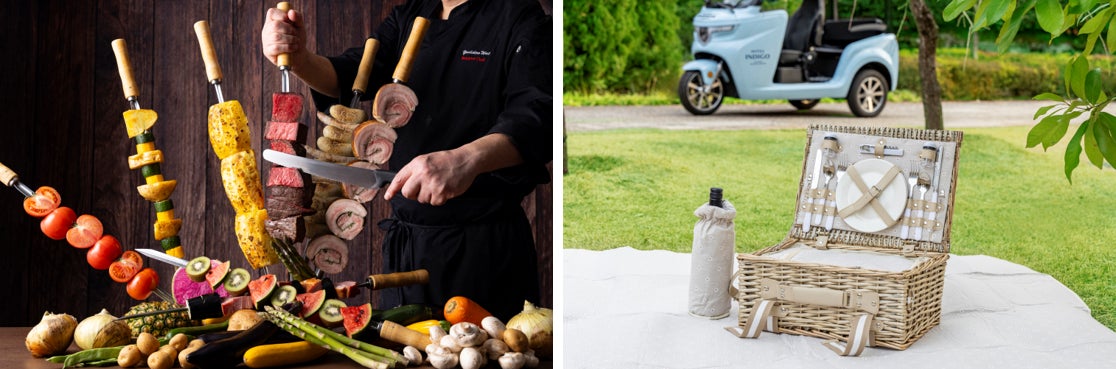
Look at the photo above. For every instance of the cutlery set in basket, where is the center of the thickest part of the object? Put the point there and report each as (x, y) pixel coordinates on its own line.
(864, 263)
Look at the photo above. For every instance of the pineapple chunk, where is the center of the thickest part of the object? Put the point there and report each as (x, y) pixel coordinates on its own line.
(254, 240)
(228, 129)
(242, 181)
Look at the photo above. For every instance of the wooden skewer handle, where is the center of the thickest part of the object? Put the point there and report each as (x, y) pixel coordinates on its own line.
(371, 45)
(284, 59)
(407, 59)
(124, 67)
(209, 53)
(7, 176)
(397, 333)
(380, 281)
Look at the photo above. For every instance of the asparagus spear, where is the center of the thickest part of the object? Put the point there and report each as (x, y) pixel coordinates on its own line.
(333, 340)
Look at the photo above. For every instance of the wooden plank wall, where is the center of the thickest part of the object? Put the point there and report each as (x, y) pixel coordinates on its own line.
(63, 128)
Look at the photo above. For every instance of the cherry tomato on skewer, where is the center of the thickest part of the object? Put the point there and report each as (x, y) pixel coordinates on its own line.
(143, 283)
(122, 270)
(103, 253)
(58, 222)
(86, 231)
(44, 201)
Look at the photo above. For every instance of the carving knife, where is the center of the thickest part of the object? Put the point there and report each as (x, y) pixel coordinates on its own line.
(360, 177)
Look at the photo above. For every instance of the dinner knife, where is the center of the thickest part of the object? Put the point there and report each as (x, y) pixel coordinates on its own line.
(808, 202)
(870, 149)
(360, 177)
(163, 257)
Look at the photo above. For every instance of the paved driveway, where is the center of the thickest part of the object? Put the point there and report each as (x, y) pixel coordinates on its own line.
(957, 115)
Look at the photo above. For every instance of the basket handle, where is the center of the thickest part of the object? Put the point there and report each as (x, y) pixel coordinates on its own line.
(857, 299)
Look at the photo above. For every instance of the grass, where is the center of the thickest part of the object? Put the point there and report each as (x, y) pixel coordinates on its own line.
(668, 98)
(639, 188)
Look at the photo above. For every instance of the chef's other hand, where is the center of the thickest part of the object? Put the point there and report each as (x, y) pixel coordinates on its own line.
(283, 33)
(432, 178)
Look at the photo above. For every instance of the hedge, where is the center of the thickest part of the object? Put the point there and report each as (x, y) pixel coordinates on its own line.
(996, 76)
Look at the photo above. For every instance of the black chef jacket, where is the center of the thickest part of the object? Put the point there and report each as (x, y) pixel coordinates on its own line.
(487, 69)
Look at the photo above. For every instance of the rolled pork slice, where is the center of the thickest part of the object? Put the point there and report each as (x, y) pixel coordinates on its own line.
(345, 218)
(328, 253)
(360, 194)
(394, 105)
(373, 142)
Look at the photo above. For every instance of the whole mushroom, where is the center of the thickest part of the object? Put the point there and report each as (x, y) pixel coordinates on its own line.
(468, 334)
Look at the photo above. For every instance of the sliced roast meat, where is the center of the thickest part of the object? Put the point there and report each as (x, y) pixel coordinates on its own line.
(283, 146)
(284, 131)
(283, 176)
(295, 194)
(286, 228)
(373, 142)
(286, 107)
(345, 218)
(328, 253)
(279, 208)
(360, 194)
(394, 105)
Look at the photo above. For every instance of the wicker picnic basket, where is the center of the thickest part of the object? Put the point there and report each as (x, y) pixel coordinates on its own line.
(853, 306)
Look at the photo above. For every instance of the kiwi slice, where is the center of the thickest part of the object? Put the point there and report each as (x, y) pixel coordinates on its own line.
(283, 295)
(150, 170)
(236, 283)
(330, 313)
(197, 267)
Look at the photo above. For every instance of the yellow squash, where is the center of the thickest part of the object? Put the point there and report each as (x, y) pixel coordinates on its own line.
(282, 354)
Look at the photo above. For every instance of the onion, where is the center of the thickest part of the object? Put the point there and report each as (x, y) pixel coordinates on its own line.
(102, 330)
(538, 325)
(52, 335)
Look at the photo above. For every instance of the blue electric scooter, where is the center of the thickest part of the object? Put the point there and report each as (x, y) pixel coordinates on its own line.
(743, 52)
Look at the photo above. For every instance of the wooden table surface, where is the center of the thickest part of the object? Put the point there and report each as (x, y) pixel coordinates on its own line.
(14, 354)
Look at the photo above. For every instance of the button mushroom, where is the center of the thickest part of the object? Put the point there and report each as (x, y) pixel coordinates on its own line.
(493, 326)
(471, 358)
(513, 360)
(495, 348)
(468, 334)
(414, 357)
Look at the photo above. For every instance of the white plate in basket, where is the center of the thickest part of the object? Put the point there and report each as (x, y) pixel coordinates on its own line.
(893, 198)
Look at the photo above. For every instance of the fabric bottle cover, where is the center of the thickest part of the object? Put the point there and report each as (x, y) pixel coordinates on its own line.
(711, 261)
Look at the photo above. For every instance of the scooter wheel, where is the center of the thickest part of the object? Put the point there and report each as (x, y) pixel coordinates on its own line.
(697, 98)
(868, 93)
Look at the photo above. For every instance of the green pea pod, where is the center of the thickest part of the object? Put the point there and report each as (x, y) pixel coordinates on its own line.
(58, 359)
(92, 355)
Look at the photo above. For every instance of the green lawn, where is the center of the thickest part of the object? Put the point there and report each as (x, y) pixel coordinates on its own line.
(639, 188)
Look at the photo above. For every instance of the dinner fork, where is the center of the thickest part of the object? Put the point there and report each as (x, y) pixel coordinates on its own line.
(923, 186)
(829, 172)
(842, 166)
(912, 181)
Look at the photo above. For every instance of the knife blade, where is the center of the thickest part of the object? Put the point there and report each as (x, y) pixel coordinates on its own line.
(808, 203)
(888, 150)
(163, 257)
(366, 178)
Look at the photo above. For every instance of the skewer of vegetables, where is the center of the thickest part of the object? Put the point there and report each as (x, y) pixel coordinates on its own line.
(231, 142)
(84, 232)
(147, 159)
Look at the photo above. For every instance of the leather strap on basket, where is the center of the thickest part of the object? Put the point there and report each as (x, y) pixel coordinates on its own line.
(764, 313)
(868, 194)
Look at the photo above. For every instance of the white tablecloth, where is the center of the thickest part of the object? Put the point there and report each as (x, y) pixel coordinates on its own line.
(626, 308)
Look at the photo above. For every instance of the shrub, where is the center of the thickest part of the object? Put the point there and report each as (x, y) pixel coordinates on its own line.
(621, 46)
(995, 76)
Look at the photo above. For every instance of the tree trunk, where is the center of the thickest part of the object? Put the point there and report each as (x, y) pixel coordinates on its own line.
(927, 64)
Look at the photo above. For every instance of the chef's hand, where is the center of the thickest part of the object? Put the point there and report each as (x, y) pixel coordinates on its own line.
(283, 33)
(436, 177)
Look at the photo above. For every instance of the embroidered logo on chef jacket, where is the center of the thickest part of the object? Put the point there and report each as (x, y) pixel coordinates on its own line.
(479, 56)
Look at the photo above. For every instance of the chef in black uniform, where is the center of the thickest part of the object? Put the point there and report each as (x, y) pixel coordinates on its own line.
(478, 142)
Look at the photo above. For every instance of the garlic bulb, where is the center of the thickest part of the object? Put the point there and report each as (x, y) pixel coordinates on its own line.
(538, 325)
(102, 330)
(52, 335)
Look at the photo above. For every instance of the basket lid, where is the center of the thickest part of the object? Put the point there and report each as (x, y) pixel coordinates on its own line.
(856, 187)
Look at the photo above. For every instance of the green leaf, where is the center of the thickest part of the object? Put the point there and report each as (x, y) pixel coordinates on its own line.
(1105, 133)
(1090, 42)
(1049, 96)
(1046, 130)
(1050, 16)
(1091, 150)
(956, 7)
(1011, 25)
(1097, 22)
(1043, 111)
(993, 11)
(1077, 78)
(1067, 74)
(1093, 86)
(1111, 40)
(1073, 153)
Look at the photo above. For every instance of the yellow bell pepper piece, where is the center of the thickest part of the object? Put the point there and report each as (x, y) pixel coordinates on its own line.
(176, 252)
(145, 147)
(137, 121)
(163, 216)
(154, 179)
(145, 158)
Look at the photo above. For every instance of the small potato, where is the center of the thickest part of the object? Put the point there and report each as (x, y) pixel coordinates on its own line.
(169, 350)
(197, 342)
(182, 356)
(129, 356)
(160, 360)
(179, 341)
(516, 340)
(147, 343)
